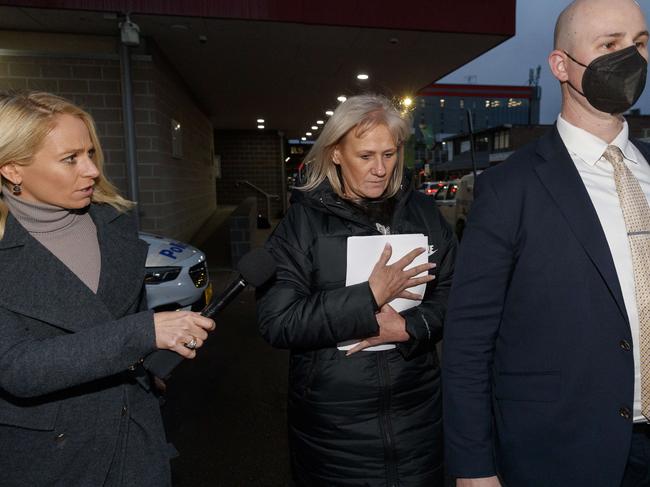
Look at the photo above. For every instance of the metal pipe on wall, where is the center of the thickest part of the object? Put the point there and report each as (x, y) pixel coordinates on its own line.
(129, 126)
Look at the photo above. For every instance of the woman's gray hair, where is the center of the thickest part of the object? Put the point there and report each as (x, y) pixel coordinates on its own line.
(360, 113)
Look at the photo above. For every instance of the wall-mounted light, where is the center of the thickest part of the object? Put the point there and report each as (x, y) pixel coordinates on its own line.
(319, 122)
(342, 98)
(260, 120)
(362, 76)
(329, 113)
(260, 126)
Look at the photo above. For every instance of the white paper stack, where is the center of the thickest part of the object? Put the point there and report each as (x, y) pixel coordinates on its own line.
(363, 254)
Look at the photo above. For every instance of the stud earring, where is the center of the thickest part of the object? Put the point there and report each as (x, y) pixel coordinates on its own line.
(17, 189)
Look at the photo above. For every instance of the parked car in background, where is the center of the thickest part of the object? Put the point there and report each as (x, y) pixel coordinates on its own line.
(464, 200)
(446, 200)
(176, 275)
(430, 188)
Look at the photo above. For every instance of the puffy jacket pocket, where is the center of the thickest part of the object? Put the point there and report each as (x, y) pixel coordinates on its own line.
(528, 386)
(41, 417)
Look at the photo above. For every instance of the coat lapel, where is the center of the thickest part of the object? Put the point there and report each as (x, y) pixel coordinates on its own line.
(34, 283)
(562, 180)
(123, 259)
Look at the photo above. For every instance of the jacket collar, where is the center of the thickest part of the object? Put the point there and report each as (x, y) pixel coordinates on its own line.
(559, 175)
(34, 283)
(323, 198)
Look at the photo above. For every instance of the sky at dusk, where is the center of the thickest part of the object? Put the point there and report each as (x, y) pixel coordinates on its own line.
(509, 63)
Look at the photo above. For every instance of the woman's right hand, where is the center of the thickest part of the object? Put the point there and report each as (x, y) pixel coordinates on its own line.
(388, 282)
(175, 329)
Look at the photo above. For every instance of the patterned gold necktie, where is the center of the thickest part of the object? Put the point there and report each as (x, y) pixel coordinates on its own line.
(636, 213)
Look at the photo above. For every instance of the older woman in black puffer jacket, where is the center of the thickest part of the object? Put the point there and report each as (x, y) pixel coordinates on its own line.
(370, 415)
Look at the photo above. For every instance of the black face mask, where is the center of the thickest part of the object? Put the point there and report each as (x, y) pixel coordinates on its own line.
(614, 82)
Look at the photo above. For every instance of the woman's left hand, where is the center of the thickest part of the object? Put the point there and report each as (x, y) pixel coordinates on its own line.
(392, 328)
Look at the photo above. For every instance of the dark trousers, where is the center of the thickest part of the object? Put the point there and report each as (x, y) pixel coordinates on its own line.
(637, 471)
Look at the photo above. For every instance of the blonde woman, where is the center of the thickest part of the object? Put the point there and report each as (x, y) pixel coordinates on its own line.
(370, 415)
(76, 408)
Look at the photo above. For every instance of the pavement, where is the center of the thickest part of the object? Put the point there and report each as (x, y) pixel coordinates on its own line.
(225, 411)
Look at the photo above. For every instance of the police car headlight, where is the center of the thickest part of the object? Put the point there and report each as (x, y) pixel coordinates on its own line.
(199, 274)
(158, 275)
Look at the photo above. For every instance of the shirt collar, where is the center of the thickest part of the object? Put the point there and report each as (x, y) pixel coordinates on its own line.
(590, 148)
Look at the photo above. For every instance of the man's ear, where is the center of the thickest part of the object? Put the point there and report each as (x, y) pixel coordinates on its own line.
(336, 155)
(12, 173)
(557, 61)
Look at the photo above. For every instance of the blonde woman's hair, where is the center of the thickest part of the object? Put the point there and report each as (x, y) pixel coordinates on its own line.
(26, 118)
(360, 113)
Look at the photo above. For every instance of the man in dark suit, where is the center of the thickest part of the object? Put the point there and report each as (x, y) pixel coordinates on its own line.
(543, 362)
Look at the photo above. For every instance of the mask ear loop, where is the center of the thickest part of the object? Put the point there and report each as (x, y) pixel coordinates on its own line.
(577, 62)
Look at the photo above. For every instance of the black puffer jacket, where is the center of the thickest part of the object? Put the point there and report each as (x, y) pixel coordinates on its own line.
(374, 418)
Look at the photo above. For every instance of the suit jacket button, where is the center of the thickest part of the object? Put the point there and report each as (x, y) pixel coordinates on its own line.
(625, 345)
(625, 412)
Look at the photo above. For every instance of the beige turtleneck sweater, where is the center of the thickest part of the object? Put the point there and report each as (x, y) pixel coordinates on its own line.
(70, 235)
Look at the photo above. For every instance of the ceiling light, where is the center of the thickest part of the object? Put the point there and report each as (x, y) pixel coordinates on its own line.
(260, 126)
(287, 159)
(260, 120)
(303, 138)
(362, 76)
(319, 122)
(314, 127)
(407, 102)
(342, 98)
(329, 113)
(308, 134)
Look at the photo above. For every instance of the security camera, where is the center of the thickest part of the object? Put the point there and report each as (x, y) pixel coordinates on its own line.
(129, 33)
(203, 39)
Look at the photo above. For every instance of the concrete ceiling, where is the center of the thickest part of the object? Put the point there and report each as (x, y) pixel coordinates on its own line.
(286, 73)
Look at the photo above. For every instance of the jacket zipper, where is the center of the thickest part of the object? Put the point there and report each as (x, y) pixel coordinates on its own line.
(392, 478)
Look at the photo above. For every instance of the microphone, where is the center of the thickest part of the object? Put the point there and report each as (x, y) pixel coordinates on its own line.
(255, 268)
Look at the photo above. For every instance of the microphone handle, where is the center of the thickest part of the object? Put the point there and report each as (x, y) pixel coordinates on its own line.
(217, 303)
(161, 363)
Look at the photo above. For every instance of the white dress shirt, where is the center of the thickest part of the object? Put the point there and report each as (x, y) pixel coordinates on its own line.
(597, 174)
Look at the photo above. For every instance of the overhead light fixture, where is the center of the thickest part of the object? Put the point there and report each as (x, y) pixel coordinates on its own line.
(319, 122)
(260, 120)
(362, 76)
(407, 101)
(329, 113)
(308, 134)
(342, 98)
(287, 159)
(314, 127)
(303, 138)
(260, 126)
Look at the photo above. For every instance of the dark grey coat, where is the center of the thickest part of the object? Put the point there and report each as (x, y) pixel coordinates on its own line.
(71, 411)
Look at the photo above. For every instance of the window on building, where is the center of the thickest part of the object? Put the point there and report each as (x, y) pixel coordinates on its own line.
(177, 139)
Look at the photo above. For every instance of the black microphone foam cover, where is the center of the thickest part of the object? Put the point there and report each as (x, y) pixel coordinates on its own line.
(257, 267)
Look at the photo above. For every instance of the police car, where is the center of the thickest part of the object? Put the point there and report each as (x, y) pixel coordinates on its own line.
(176, 275)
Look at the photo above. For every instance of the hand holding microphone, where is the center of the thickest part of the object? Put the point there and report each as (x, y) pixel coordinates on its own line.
(181, 331)
(255, 268)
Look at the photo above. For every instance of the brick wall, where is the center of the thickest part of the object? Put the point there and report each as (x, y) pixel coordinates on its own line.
(177, 195)
(254, 156)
